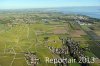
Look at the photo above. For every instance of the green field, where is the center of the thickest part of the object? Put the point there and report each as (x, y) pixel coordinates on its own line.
(23, 38)
(34, 32)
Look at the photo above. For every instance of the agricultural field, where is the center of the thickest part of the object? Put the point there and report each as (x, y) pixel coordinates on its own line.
(21, 36)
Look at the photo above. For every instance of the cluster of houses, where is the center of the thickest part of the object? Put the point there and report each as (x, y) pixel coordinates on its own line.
(31, 58)
(83, 23)
(59, 51)
(74, 49)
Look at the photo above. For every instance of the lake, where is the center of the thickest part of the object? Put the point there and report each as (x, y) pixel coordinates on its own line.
(92, 11)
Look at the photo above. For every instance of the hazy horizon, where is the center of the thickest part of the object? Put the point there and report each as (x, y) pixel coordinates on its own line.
(23, 4)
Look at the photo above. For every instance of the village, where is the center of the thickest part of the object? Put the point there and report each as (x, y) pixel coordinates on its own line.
(28, 38)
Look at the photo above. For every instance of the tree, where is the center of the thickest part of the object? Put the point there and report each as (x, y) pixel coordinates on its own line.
(46, 38)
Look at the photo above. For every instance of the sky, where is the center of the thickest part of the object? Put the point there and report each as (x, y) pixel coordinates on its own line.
(19, 4)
